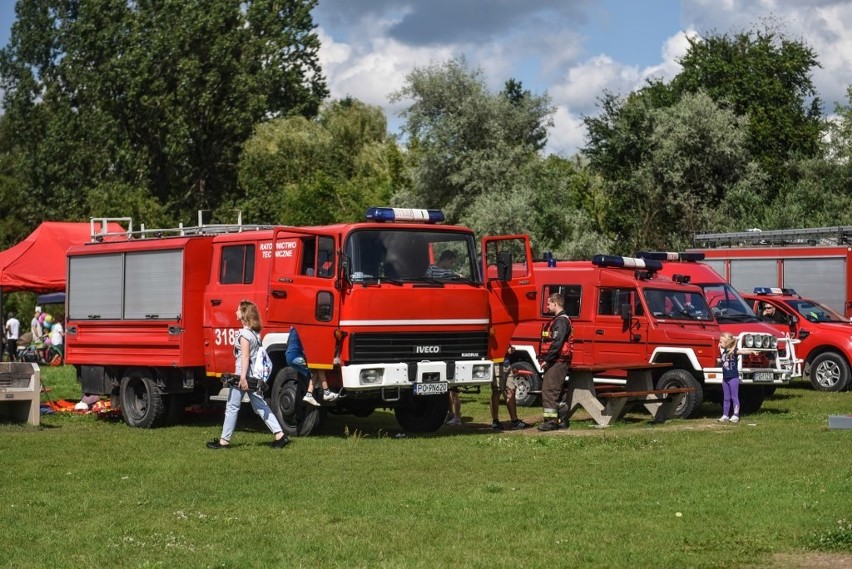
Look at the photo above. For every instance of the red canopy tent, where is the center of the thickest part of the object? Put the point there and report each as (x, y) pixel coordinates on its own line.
(37, 263)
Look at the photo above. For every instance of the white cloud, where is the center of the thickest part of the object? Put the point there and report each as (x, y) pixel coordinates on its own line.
(567, 135)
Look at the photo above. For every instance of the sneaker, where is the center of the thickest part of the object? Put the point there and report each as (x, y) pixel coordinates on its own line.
(216, 445)
(281, 443)
(309, 398)
(455, 421)
(724, 419)
(496, 426)
(735, 419)
(328, 396)
(550, 425)
(519, 424)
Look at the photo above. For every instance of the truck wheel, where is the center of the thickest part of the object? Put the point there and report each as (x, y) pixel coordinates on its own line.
(527, 384)
(829, 372)
(423, 414)
(295, 416)
(142, 404)
(751, 398)
(692, 401)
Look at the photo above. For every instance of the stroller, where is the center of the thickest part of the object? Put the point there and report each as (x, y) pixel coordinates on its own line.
(38, 351)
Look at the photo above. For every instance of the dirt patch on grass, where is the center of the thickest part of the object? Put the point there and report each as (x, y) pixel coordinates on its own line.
(584, 426)
(810, 560)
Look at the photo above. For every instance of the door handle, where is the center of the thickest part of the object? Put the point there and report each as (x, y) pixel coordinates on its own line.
(279, 293)
(215, 301)
(599, 332)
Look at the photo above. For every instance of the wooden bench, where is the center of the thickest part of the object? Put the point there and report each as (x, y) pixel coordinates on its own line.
(639, 389)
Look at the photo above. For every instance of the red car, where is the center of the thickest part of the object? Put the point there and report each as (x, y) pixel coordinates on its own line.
(825, 337)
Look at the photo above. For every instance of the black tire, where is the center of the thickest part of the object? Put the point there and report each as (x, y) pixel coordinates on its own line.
(751, 398)
(769, 391)
(142, 405)
(829, 372)
(527, 384)
(296, 417)
(423, 414)
(691, 402)
(175, 408)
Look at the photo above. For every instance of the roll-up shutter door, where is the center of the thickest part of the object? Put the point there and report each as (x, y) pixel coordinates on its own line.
(94, 287)
(749, 273)
(153, 285)
(821, 279)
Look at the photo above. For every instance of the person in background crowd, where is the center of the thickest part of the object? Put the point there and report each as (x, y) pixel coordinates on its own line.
(555, 355)
(13, 332)
(247, 343)
(35, 324)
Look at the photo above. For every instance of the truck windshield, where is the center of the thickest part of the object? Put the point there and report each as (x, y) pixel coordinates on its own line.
(816, 312)
(677, 305)
(405, 255)
(727, 304)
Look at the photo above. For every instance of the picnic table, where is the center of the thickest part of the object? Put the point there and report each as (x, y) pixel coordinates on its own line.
(606, 404)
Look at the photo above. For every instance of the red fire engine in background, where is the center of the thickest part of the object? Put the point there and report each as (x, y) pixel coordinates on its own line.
(151, 314)
(816, 262)
(624, 310)
(825, 337)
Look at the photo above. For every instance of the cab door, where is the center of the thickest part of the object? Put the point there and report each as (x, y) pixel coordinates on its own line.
(507, 269)
(235, 276)
(302, 290)
(620, 326)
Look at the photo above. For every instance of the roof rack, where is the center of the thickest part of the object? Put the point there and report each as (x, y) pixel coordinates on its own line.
(839, 235)
(99, 229)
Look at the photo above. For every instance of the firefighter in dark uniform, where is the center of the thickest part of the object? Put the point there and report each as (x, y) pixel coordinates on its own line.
(555, 357)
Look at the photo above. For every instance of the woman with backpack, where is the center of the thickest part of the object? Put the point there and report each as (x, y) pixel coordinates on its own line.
(246, 346)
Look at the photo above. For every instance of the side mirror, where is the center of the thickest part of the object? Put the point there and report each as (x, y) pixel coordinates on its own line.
(625, 312)
(346, 268)
(504, 266)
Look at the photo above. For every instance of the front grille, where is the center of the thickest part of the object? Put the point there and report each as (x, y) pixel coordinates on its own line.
(366, 348)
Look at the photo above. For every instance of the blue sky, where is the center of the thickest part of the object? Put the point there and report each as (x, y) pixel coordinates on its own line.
(572, 50)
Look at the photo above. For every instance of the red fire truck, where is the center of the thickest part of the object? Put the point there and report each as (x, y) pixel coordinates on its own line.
(732, 312)
(817, 262)
(825, 337)
(623, 310)
(151, 314)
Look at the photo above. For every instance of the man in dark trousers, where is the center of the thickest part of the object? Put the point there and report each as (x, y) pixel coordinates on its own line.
(555, 357)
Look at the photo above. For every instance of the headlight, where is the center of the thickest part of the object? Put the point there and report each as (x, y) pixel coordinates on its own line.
(371, 376)
(748, 341)
(773, 343)
(481, 371)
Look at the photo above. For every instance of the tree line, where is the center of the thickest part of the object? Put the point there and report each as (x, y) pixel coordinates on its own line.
(156, 109)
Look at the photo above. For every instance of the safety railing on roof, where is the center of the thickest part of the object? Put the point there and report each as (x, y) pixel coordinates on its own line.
(840, 235)
(100, 229)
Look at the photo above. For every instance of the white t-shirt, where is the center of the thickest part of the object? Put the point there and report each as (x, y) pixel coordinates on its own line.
(13, 329)
(56, 333)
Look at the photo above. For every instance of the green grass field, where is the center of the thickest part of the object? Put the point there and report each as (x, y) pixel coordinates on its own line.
(773, 491)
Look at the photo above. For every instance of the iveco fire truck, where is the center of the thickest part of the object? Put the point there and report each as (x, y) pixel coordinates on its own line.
(151, 313)
(623, 310)
(817, 262)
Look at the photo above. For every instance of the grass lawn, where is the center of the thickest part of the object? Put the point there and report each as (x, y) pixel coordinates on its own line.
(772, 491)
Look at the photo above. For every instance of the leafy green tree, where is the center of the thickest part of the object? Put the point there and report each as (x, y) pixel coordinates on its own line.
(307, 172)
(689, 157)
(766, 77)
(151, 99)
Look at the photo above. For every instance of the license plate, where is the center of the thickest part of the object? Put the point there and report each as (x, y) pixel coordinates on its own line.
(764, 376)
(430, 388)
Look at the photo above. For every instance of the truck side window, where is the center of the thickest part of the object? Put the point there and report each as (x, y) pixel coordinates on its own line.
(611, 299)
(325, 257)
(571, 293)
(237, 265)
(309, 250)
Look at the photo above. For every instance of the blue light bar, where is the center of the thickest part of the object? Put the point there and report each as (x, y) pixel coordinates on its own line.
(626, 262)
(670, 256)
(405, 214)
(774, 290)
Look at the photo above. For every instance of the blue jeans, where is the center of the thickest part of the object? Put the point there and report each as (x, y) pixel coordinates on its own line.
(258, 403)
